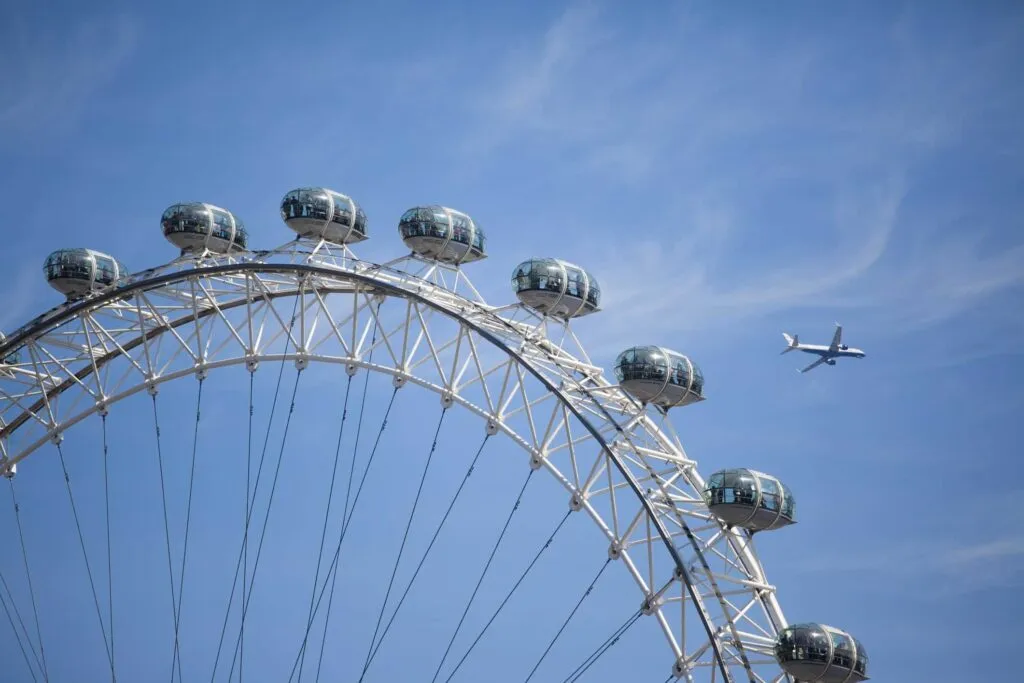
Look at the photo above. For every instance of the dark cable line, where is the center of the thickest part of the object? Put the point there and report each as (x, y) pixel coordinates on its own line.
(188, 521)
(21, 645)
(167, 526)
(110, 563)
(243, 553)
(602, 648)
(245, 539)
(17, 613)
(487, 566)
(333, 567)
(508, 596)
(327, 512)
(28, 576)
(348, 488)
(430, 545)
(405, 538)
(587, 592)
(85, 556)
(247, 595)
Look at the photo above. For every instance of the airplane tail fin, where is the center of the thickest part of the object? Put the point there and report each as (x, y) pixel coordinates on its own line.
(792, 341)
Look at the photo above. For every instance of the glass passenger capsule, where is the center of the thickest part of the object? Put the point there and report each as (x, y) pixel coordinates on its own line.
(816, 652)
(444, 234)
(76, 272)
(556, 288)
(319, 213)
(660, 376)
(749, 499)
(196, 226)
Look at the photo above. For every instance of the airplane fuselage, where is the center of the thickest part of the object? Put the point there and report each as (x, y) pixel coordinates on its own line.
(820, 350)
(826, 354)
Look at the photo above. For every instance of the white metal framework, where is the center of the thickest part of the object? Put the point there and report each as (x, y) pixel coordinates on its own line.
(526, 376)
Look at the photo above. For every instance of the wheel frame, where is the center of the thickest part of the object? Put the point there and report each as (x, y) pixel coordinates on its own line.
(310, 270)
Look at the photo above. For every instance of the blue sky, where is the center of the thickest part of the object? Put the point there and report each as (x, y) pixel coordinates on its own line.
(726, 172)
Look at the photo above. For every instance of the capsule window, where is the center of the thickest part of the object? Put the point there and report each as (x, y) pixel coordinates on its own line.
(769, 495)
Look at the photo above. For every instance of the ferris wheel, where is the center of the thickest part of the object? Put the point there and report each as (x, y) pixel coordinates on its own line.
(112, 391)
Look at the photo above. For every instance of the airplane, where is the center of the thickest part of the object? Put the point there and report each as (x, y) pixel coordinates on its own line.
(827, 354)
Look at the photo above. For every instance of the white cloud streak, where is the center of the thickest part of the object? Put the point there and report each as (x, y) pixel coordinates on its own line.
(643, 107)
(47, 77)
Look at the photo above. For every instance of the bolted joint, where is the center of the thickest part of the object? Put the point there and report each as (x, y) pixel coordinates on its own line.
(151, 386)
(650, 605)
(398, 381)
(202, 372)
(678, 574)
(102, 409)
(57, 438)
(301, 362)
(536, 462)
(615, 550)
(680, 670)
(8, 470)
(251, 364)
(351, 369)
(575, 502)
(491, 428)
(447, 399)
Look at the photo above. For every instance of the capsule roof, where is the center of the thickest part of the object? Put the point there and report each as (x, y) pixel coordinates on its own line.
(197, 226)
(654, 374)
(557, 288)
(320, 213)
(76, 272)
(818, 652)
(438, 232)
(750, 499)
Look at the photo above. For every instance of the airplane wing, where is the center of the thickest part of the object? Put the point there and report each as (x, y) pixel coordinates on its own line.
(837, 338)
(814, 364)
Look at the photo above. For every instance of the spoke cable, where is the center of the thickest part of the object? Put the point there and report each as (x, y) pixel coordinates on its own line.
(243, 554)
(85, 556)
(110, 563)
(604, 647)
(483, 574)
(327, 512)
(188, 520)
(167, 525)
(333, 567)
(17, 634)
(508, 596)
(430, 545)
(21, 644)
(248, 514)
(28, 576)
(247, 594)
(587, 592)
(405, 538)
(348, 486)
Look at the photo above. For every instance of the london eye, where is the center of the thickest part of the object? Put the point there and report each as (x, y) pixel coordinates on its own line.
(264, 461)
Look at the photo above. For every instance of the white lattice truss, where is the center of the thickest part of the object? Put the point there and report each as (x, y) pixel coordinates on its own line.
(525, 376)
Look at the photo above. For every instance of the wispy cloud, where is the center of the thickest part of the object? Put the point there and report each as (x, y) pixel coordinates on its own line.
(48, 75)
(939, 568)
(718, 124)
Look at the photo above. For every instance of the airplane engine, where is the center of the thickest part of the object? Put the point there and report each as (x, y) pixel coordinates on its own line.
(831, 361)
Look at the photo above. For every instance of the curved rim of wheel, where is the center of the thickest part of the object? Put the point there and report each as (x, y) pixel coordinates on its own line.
(632, 450)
